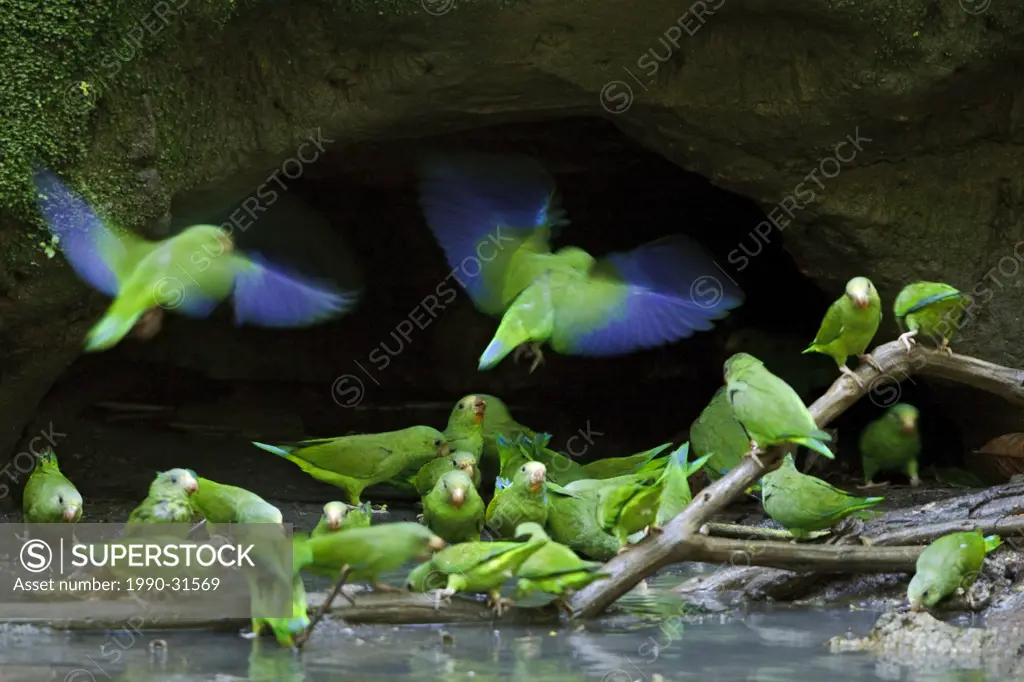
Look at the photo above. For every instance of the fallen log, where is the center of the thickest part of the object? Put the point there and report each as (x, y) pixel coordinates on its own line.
(681, 540)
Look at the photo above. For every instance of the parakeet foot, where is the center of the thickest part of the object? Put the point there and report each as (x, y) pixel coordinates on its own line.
(625, 548)
(853, 375)
(869, 484)
(915, 481)
(907, 339)
(529, 350)
(499, 604)
(149, 324)
(419, 518)
(443, 595)
(753, 455)
(653, 530)
(866, 358)
(944, 346)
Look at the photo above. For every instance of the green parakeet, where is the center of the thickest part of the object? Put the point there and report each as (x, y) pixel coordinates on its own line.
(513, 454)
(354, 463)
(718, 435)
(501, 213)
(948, 564)
(454, 509)
(339, 516)
(676, 492)
(849, 325)
(428, 474)
(219, 503)
(49, 497)
(167, 502)
(930, 308)
(478, 567)
(803, 503)
(516, 501)
(768, 408)
(264, 600)
(891, 442)
(368, 552)
(560, 469)
(553, 569)
(465, 429)
(612, 467)
(190, 273)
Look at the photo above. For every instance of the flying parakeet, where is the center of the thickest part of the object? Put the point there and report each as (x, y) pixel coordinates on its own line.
(849, 325)
(891, 442)
(190, 273)
(948, 564)
(718, 435)
(475, 567)
(167, 502)
(354, 463)
(769, 409)
(554, 569)
(676, 493)
(49, 497)
(339, 516)
(500, 213)
(454, 509)
(522, 499)
(368, 552)
(930, 308)
(428, 474)
(803, 503)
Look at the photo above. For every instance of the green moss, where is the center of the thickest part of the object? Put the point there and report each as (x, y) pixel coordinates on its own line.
(61, 59)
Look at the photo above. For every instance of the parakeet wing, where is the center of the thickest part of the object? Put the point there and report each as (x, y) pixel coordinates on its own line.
(98, 254)
(271, 296)
(478, 205)
(831, 325)
(660, 292)
(923, 296)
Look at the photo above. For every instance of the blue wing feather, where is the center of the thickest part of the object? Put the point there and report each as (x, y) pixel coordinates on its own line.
(270, 296)
(466, 198)
(79, 230)
(673, 288)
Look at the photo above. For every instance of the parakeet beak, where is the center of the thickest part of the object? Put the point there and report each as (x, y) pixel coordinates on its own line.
(436, 544)
(191, 485)
(909, 425)
(458, 495)
(861, 300)
(479, 405)
(334, 520)
(917, 607)
(468, 468)
(537, 477)
(70, 513)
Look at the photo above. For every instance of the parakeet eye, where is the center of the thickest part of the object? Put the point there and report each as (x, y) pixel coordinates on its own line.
(460, 406)
(174, 479)
(437, 441)
(60, 499)
(524, 468)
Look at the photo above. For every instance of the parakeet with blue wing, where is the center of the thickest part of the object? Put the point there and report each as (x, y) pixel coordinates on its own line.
(500, 212)
(189, 273)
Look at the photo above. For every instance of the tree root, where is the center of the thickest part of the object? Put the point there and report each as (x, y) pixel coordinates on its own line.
(682, 541)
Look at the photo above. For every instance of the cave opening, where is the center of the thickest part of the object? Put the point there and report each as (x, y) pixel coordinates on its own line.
(198, 393)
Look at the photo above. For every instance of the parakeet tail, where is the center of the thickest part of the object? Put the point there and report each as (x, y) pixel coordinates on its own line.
(115, 325)
(991, 542)
(822, 436)
(280, 451)
(498, 349)
(815, 445)
(693, 468)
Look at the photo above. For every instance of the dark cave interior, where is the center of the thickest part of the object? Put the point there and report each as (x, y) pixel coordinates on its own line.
(353, 215)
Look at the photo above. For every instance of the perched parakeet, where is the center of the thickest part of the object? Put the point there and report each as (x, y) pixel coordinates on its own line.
(465, 429)
(554, 568)
(612, 467)
(516, 501)
(768, 408)
(354, 463)
(189, 273)
(49, 497)
(219, 503)
(849, 325)
(891, 442)
(930, 308)
(948, 564)
(339, 516)
(454, 509)
(480, 567)
(368, 552)
(501, 212)
(803, 503)
(627, 504)
(428, 474)
(676, 492)
(718, 435)
(167, 502)
(780, 349)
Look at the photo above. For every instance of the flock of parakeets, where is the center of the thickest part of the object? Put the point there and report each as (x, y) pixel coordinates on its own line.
(550, 519)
